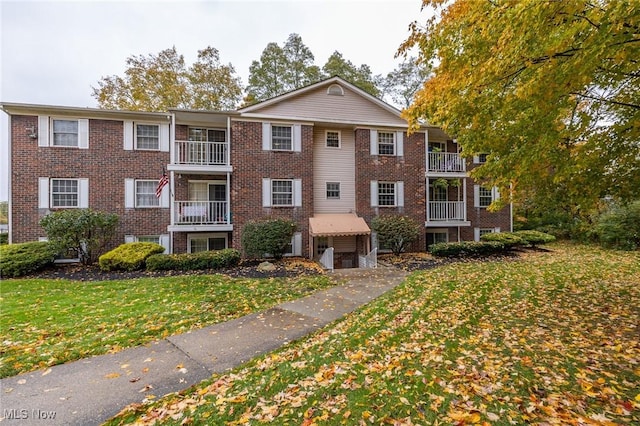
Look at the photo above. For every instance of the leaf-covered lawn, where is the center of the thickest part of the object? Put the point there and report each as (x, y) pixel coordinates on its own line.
(48, 322)
(550, 339)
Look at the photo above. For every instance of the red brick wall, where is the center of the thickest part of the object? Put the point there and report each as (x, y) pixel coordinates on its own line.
(106, 164)
(251, 164)
(409, 168)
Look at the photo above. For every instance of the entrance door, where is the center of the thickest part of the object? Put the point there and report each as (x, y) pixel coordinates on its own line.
(218, 208)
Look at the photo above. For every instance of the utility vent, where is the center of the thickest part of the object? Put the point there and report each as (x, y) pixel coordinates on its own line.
(335, 90)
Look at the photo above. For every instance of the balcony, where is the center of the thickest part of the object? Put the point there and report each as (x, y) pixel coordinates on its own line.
(201, 216)
(200, 157)
(446, 213)
(445, 162)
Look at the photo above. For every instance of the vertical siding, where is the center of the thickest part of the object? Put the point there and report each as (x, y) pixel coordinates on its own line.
(334, 165)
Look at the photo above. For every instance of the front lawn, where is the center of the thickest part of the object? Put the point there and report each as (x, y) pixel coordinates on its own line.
(551, 338)
(44, 322)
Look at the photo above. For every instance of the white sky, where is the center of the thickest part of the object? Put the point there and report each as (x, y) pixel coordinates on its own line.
(53, 52)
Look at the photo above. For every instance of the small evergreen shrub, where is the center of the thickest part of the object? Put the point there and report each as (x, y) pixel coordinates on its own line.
(467, 249)
(268, 236)
(128, 256)
(4, 238)
(218, 259)
(395, 231)
(21, 259)
(509, 239)
(619, 227)
(534, 238)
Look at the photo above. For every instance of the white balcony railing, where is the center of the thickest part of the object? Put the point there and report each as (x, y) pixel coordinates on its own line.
(445, 162)
(446, 211)
(202, 213)
(201, 153)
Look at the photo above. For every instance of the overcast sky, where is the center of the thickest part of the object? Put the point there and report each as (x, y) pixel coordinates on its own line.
(53, 52)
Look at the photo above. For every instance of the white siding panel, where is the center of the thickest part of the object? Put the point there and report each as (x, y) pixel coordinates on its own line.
(334, 165)
(43, 193)
(318, 105)
(83, 193)
(129, 193)
(266, 192)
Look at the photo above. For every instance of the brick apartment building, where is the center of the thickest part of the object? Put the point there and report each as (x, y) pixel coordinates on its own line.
(328, 156)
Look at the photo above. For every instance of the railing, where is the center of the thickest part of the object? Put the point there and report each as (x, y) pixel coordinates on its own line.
(201, 213)
(445, 162)
(370, 260)
(201, 153)
(446, 210)
(326, 259)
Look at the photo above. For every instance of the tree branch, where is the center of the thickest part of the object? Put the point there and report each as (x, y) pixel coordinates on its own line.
(609, 101)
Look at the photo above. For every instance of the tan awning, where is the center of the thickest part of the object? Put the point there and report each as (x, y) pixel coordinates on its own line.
(334, 225)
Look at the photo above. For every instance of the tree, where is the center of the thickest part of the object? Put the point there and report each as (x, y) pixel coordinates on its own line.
(395, 232)
(267, 237)
(83, 232)
(160, 82)
(281, 69)
(402, 83)
(360, 76)
(549, 90)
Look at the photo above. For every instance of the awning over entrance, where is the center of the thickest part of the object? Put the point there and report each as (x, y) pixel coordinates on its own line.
(335, 225)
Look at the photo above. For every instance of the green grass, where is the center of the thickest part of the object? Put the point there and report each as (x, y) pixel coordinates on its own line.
(48, 322)
(552, 338)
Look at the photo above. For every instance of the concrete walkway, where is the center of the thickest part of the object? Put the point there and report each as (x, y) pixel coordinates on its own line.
(92, 390)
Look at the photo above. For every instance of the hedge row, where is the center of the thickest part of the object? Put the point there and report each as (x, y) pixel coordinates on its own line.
(494, 243)
(128, 256)
(519, 238)
(21, 259)
(194, 261)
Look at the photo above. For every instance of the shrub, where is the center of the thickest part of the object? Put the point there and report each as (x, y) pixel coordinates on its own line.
(619, 227)
(395, 232)
(25, 258)
(194, 261)
(509, 239)
(84, 232)
(467, 249)
(534, 238)
(4, 239)
(267, 237)
(129, 256)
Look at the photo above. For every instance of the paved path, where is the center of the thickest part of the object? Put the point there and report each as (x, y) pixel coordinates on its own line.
(92, 390)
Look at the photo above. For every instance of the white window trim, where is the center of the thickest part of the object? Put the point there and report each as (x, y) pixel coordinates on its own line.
(476, 159)
(398, 194)
(45, 194)
(130, 196)
(45, 131)
(495, 194)
(130, 139)
(296, 245)
(267, 200)
(476, 231)
(207, 235)
(154, 184)
(326, 189)
(326, 134)
(296, 137)
(398, 142)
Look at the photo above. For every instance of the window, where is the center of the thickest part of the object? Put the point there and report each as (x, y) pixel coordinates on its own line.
(386, 194)
(206, 242)
(484, 231)
(146, 193)
(64, 193)
(149, 239)
(332, 138)
(437, 236)
(147, 136)
(65, 132)
(335, 90)
(485, 196)
(386, 143)
(333, 190)
(322, 244)
(438, 193)
(281, 138)
(281, 193)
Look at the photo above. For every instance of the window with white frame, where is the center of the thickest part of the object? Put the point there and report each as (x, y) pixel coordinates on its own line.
(333, 190)
(206, 242)
(149, 239)
(147, 136)
(485, 196)
(146, 193)
(483, 231)
(386, 193)
(386, 143)
(65, 132)
(64, 193)
(282, 192)
(281, 138)
(332, 138)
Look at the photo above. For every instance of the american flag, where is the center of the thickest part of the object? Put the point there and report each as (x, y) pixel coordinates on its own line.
(164, 180)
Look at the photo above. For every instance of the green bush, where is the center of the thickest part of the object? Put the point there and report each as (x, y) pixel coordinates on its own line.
(194, 261)
(267, 237)
(619, 227)
(509, 239)
(4, 239)
(395, 232)
(84, 232)
(467, 249)
(534, 238)
(25, 258)
(128, 256)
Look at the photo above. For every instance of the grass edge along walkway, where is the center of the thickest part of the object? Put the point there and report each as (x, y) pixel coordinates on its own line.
(551, 338)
